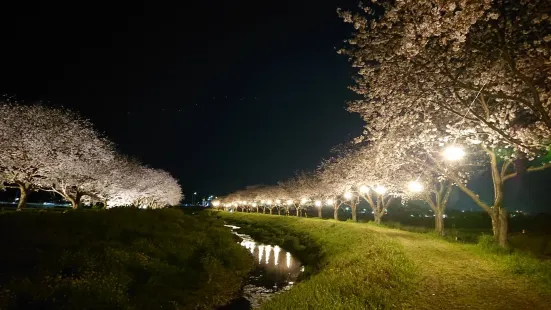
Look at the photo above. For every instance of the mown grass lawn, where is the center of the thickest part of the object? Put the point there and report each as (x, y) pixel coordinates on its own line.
(118, 259)
(359, 266)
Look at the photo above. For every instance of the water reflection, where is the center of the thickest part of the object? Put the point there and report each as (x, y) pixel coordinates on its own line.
(270, 255)
(276, 255)
(276, 270)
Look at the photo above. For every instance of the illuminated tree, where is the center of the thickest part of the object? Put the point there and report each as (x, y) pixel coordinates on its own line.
(50, 148)
(337, 176)
(299, 189)
(26, 156)
(331, 181)
(477, 71)
(56, 150)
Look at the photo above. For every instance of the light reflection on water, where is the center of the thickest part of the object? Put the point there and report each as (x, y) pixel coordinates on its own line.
(275, 270)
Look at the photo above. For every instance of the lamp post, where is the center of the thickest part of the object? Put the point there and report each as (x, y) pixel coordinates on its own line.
(317, 203)
(353, 204)
(193, 198)
(289, 204)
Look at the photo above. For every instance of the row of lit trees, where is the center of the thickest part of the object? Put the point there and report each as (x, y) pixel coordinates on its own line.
(49, 149)
(450, 90)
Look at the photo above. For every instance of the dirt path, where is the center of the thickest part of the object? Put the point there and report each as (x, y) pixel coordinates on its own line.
(453, 278)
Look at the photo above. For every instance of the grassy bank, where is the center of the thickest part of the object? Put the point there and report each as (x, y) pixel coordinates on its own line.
(356, 269)
(370, 267)
(117, 259)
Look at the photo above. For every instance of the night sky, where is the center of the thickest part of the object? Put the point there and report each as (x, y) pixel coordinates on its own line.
(221, 94)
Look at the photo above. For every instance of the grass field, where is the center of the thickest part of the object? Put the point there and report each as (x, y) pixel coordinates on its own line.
(361, 266)
(118, 259)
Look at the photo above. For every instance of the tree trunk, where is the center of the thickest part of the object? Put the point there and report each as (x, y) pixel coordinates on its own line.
(353, 208)
(500, 226)
(319, 213)
(298, 212)
(439, 223)
(270, 211)
(73, 202)
(23, 197)
(278, 211)
(336, 214)
(377, 217)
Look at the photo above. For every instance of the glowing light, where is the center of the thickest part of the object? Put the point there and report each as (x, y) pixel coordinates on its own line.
(278, 201)
(289, 202)
(329, 202)
(303, 200)
(254, 204)
(348, 195)
(288, 259)
(381, 190)
(268, 250)
(260, 253)
(453, 153)
(262, 201)
(216, 203)
(415, 187)
(269, 202)
(317, 203)
(364, 189)
(277, 249)
(244, 202)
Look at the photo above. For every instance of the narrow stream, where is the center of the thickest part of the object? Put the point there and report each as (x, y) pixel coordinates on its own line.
(275, 270)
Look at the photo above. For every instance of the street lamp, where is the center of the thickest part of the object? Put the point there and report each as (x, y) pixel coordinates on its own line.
(381, 190)
(329, 202)
(317, 203)
(348, 195)
(193, 198)
(415, 187)
(364, 189)
(269, 202)
(453, 153)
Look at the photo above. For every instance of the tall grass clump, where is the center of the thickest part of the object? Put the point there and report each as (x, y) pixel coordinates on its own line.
(516, 261)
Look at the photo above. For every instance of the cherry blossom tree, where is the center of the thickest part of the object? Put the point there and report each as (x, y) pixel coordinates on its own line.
(331, 176)
(25, 150)
(51, 148)
(475, 70)
(56, 150)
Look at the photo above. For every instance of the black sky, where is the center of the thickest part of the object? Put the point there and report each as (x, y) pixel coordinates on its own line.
(222, 94)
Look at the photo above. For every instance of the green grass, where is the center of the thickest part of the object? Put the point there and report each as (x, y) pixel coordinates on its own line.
(360, 266)
(354, 268)
(118, 259)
